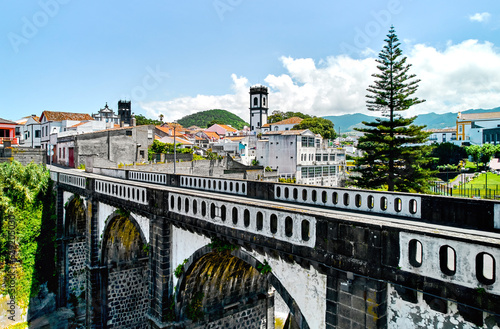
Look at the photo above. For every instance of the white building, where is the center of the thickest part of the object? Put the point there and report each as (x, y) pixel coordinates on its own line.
(302, 155)
(442, 135)
(286, 124)
(107, 115)
(478, 128)
(29, 132)
(55, 122)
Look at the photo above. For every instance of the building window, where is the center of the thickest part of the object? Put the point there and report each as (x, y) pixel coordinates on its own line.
(64, 152)
(263, 101)
(460, 128)
(255, 101)
(37, 133)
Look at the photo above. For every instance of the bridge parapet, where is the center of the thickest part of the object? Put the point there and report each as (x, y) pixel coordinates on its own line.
(73, 180)
(292, 227)
(122, 191)
(397, 204)
(451, 211)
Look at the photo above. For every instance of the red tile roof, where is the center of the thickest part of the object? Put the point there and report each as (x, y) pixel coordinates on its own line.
(230, 129)
(289, 121)
(60, 116)
(211, 134)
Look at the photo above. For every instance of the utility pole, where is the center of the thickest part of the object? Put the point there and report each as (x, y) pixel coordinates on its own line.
(175, 152)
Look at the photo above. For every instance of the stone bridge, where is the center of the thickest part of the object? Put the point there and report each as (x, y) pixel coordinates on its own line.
(153, 250)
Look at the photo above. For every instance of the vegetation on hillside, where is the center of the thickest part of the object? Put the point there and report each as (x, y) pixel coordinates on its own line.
(278, 116)
(142, 120)
(204, 118)
(27, 236)
(394, 157)
(317, 125)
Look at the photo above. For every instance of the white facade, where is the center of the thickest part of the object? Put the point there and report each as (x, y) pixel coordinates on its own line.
(302, 155)
(30, 133)
(442, 135)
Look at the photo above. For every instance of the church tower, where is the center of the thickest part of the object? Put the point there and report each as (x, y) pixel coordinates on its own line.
(125, 112)
(258, 107)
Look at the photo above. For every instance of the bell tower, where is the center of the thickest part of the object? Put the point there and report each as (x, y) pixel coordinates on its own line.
(258, 107)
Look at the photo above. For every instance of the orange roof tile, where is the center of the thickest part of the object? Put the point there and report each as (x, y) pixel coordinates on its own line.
(60, 116)
(230, 129)
(78, 124)
(289, 121)
(211, 134)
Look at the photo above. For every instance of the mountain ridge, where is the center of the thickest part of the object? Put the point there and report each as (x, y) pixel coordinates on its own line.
(347, 122)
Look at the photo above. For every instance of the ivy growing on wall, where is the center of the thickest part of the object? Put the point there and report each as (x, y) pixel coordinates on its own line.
(27, 235)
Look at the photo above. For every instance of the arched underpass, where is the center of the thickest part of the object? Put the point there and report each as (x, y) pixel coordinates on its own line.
(125, 279)
(229, 289)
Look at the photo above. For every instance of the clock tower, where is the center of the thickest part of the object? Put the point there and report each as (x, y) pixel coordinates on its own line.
(259, 106)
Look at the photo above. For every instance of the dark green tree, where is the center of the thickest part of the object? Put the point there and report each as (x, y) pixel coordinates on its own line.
(487, 152)
(448, 153)
(474, 151)
(394, 156)
(142, 120)
(317, 125)
(215, 122)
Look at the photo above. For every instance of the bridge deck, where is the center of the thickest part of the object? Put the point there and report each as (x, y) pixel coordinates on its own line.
(351, 216)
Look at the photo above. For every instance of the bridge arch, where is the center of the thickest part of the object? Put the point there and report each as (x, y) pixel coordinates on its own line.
(124, 271)
(75, 224)
(204, 261)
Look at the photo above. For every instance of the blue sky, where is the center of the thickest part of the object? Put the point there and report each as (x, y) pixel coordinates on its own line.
(180, 57)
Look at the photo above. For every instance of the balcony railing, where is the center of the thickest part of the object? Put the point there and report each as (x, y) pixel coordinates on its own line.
(13, 140)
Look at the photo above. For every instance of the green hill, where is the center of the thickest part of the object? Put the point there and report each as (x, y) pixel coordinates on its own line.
(203, 118)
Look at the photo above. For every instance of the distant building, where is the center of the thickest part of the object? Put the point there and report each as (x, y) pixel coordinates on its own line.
(125, 113)
(223, 130)
(8, 132)
(283, 125)
(29, 132)
(442, 135)
(478, 128)
(302, 155)
(107, 115)
(106, 148)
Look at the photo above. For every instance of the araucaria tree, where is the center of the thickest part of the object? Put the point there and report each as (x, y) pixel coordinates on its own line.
(393, 152)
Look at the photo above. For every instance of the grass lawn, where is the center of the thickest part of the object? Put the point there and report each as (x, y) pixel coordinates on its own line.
(477, 186)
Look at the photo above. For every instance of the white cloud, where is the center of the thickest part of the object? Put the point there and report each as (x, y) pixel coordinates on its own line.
(460, 77)
(177, 108)
(480, 17)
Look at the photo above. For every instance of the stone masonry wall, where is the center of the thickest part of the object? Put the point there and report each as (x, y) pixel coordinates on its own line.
(127, 298)
(251, 318)
(76, 268)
